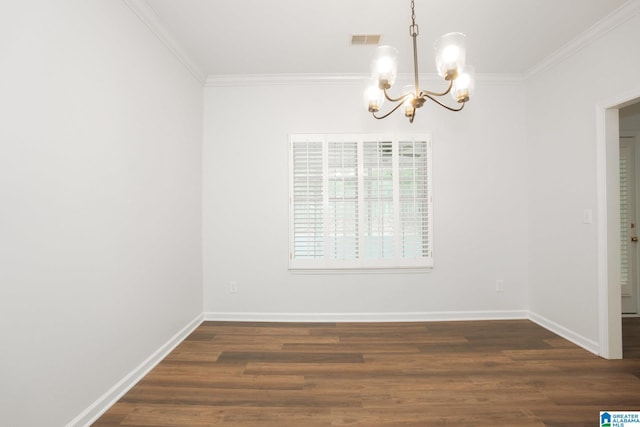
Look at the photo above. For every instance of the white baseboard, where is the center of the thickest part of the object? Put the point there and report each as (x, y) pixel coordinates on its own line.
(366, 317)
(565, 333)
(104, 402)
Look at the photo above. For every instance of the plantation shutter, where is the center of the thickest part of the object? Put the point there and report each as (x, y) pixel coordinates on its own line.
(360, 201)
(624, 218)
(378, 199)
(415, 199)
(342, 220)
(307, 193)
(627, 215)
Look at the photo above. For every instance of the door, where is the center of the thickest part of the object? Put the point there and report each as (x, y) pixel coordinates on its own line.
(628, 227)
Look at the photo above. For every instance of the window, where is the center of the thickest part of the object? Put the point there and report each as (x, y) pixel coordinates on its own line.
(360, 201)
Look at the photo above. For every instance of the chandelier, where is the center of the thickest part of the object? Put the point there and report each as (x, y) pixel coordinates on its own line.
(450, 63)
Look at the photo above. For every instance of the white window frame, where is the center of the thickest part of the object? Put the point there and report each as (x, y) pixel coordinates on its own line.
(397, 262)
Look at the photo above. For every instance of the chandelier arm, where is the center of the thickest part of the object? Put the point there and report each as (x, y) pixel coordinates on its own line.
(425, 93)
(402, 98)
(444, 105)
(389, 113)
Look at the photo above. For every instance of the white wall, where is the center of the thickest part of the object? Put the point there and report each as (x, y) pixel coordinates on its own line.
(479, 203)
(561, 153)
(100, 203)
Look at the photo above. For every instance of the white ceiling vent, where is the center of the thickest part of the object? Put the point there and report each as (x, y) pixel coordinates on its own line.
(365, 39)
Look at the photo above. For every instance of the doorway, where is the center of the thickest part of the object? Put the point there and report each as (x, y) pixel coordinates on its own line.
(608, 132)
(629, 131)
(628, 222)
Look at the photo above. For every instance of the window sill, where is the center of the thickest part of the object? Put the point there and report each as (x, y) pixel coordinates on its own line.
(367, 270)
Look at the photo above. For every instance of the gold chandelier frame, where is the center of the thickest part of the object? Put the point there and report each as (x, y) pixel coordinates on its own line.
(450, 61)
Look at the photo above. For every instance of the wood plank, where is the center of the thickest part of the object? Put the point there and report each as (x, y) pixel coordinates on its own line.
(631, 337)
(289, 357)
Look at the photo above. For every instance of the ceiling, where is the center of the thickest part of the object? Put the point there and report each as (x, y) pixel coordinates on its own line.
(231, 37)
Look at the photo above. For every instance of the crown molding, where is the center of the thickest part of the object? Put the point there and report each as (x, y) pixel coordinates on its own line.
(150, 18)
(297, 79)
(616, 18)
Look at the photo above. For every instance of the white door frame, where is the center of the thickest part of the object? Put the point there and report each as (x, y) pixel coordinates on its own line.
(608, 196)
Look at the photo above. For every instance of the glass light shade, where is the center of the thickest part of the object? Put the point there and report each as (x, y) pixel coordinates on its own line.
(464, 84)
(385, 66)
(450, 54)
(409, 110)
(407, 105)
(373, 97)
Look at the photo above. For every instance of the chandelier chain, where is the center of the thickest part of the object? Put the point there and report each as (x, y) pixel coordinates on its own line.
(413, 29)
(413, 12)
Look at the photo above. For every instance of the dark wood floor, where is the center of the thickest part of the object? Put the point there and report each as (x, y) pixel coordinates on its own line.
(488, 373)
(631, 337)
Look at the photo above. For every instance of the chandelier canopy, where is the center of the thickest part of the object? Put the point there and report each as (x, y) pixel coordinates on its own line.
(450, 63)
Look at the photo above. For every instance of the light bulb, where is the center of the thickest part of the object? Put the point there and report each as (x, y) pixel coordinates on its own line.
(463, 81)
(409, 102)
(385, 66)
(463, 85)
(450, 54)
(373, 97)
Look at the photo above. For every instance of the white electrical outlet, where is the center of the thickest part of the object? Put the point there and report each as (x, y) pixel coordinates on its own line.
(499, 285)
(233, 287)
